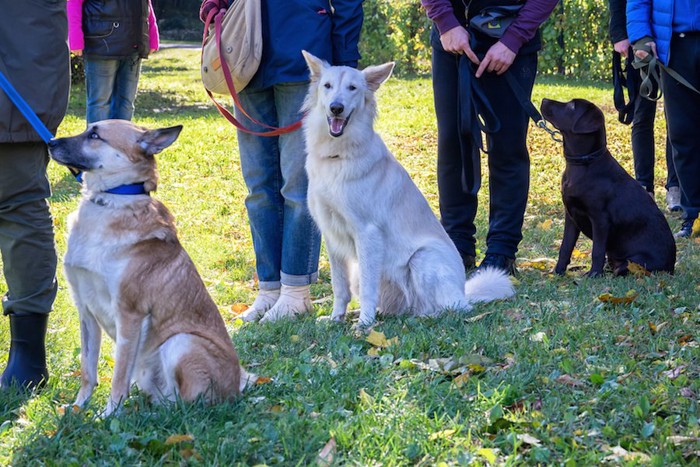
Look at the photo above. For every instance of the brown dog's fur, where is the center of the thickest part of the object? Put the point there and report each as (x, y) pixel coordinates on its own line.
(130, 276)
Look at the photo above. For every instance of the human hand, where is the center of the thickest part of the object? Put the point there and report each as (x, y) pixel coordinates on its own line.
(77, 52)
(643, 53)
(456, 41)
(499, 58)
(622, 47)
(208, 5)
(153, 51)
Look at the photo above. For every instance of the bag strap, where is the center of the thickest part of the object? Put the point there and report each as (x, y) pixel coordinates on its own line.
(217, 16)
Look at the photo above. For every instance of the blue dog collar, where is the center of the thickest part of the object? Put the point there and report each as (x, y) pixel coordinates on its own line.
(131, 189)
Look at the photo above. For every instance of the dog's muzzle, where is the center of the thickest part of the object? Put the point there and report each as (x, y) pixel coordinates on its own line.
(336, 123)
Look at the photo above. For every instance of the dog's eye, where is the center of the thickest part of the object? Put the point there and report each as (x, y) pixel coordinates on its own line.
(352, 87)
(327, 85)
(94, 135)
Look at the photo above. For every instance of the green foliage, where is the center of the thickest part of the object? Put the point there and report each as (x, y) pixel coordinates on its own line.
(77, 70)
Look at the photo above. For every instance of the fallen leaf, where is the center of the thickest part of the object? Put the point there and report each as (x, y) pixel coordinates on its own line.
(277, 408)
(684, 339)
(373, 352)
(674, 373)
(188, 453)
(577, 254)
(474, 319)
(488, 454)
(618, 452)
(263, 380)
(546, 224)
(629, 297)
(542, 264)
(688, 393)
(637, 269)
(529, 439)
(176, 439)
(538, 337)
(327, 454)
(238, 308)
(461, 380)
(569, 381)
(377, 339)
(441, 434)
(365, 398)
(652, 328)
(678, 440)
(294, 338)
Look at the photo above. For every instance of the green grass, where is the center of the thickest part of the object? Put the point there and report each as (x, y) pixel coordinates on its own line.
(553, 376)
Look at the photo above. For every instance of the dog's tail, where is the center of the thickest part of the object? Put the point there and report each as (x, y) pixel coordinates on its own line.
(487, 285)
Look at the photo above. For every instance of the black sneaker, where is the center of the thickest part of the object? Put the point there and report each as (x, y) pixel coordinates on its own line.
(469, 262)
(686, 229)
(493, 260)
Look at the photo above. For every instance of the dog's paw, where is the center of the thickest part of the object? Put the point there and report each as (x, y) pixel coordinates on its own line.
(593, 274)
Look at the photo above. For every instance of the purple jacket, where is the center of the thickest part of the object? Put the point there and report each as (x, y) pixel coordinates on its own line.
(524, 28)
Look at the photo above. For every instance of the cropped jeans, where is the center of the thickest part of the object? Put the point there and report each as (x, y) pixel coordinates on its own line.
(111, 86)
(286, 240)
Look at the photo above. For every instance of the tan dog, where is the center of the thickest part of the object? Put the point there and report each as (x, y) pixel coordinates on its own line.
(130, 276)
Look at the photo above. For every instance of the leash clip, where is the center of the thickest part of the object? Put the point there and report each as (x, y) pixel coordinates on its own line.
(554, 134)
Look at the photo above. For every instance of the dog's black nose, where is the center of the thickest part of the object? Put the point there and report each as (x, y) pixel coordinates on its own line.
(337, 108)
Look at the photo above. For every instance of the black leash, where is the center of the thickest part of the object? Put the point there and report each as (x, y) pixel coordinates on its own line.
(624, 79)
(650, 70)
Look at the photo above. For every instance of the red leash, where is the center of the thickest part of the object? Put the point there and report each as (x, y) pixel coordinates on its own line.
(272, 130)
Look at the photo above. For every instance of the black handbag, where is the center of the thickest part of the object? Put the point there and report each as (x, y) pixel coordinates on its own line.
(493, 21)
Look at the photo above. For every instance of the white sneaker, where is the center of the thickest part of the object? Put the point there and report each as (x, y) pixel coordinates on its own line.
(293, 301)
(673, 198)
(265, 300)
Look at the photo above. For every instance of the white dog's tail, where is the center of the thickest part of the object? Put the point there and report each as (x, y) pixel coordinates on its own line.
(487, 285)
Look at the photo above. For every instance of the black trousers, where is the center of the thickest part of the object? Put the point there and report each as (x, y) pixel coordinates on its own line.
(458, 154)
(644, 146)
(682, 114)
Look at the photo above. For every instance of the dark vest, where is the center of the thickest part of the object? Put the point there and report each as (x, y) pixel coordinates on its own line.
(115, 28)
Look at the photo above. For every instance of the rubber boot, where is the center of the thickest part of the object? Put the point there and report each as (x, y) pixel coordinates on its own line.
(26, 366)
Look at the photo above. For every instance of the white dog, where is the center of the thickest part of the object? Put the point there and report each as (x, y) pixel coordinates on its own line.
(130, 276)
(378, 227)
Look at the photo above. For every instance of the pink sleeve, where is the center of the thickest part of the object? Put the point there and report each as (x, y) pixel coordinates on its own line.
(154, 39)
(74, 8)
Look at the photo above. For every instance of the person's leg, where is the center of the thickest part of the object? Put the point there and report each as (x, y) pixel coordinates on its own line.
(29, 259)
(458, 204)
(643, 146)
(682, 107)
(673, 190)
(509, 161)
(260, 164)
(301, 239)
(125, 88)
(99, 86)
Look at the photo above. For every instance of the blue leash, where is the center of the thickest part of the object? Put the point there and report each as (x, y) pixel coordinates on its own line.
(46, 136)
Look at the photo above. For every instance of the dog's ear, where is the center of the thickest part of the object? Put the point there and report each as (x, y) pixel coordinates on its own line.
(154, 141)
(377, 74)
(590, 120)
(315, 64)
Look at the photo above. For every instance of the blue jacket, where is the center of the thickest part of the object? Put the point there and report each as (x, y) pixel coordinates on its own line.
(655, 18)
(290, 26)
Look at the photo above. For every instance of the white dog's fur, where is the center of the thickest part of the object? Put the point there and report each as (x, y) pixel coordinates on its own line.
(130, 277)
(383, 240)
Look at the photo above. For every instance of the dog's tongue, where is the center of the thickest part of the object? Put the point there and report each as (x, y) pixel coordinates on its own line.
(336, 125)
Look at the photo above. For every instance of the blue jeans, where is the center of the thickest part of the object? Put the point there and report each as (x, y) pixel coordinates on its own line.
(285, 238)
(111, 86)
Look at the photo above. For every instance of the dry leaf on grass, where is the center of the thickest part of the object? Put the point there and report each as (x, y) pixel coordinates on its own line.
(238, 308)
(629, 297)
(327, 454)
(175, 439)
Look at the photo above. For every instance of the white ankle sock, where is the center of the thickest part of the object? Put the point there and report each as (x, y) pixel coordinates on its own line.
(265, 300)
(292, 301)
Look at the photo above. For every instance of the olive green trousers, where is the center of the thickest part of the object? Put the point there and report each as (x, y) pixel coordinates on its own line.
(26, 229)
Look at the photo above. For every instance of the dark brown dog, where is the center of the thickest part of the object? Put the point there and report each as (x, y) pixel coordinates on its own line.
(603, 201)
